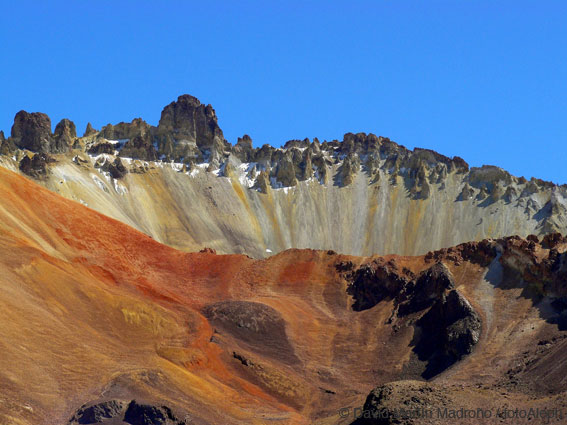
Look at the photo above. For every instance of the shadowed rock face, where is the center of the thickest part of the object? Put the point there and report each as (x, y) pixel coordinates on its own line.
(96, 413)
(403, 403)
(36, 166)
(121, 412)
(115, 168)
(448, 331)
(139, 147)
(376, 281)
(32, 131)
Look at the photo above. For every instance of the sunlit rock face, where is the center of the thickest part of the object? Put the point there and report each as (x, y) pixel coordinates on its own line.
(183, 184)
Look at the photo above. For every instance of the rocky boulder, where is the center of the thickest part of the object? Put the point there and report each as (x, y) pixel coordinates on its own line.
(64, 135)
(488, 176)
(122, 412)
(115, 168)
(101, 146)
(402, 403)
(32, 132)
(466, 193)
(95, 413)
(35, 166)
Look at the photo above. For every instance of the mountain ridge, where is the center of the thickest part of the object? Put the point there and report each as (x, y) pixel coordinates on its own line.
(362, 195)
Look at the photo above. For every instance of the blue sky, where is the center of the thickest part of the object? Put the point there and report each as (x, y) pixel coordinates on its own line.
(484, 80)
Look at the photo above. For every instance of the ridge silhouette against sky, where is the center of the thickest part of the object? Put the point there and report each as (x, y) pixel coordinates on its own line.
(483, 80)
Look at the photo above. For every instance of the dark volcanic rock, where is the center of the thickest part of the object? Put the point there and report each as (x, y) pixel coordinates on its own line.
(376, 281)
(402, 402)
(444, 333)
(426, 289)
(35, 166)
(98, 412)
(258, 325)
(145, 414)
(118, 412)
(448, 331)
(140, 147)
(551, 240)
(115, 168)
(101, 147)
(32, 132)
(64, 135)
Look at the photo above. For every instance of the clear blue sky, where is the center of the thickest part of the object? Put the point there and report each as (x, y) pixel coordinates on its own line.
(485, 80)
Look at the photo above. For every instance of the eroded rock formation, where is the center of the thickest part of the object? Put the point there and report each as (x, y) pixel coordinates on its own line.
(376, 195)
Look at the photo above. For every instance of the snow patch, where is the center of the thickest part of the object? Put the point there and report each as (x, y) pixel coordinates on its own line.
(99, 183)
(119, 188)
(177, 166)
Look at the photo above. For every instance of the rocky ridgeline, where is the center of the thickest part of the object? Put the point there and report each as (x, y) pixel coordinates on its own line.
(188, 134)
(430, 301)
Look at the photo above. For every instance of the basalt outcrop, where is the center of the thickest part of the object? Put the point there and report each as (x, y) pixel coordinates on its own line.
(132, 413)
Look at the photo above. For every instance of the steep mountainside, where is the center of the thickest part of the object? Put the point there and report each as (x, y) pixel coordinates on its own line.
(96, 315)
(183, 184)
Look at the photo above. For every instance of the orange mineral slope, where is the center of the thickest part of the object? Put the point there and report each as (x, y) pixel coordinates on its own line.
(92, 310)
